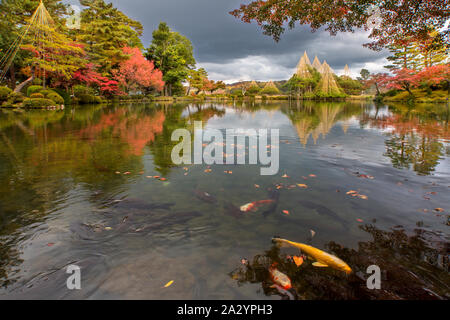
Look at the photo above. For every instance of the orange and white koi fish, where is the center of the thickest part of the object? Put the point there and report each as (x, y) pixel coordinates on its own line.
(253, 206)
(279, 278)
(323, 259)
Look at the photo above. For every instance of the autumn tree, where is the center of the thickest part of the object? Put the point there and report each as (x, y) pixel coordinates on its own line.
(431, 50)
(14, 16)
(137, 73)
(54, 56)
(378, 80)
(435, 75)
(89, 76)
(404, 79)
(173, 54)
(211, 85)
(397, 19)
(105, 31)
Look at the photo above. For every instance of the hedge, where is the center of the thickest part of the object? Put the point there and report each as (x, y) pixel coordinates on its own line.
(4, 93)
(38, 103)
(37, 96)
(34, 89)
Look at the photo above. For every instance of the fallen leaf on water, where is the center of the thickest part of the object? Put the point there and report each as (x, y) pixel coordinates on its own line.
(244, 261)
(364, 197)
(256, 186)
(439, 210)
(359, 220)
(313, 233)
(298, 260)
(352, 192)
(185, 173)
(108, 228)
(168, 284)
(163, 179)
(286, 212)
(117, 172)
(301, 185)
(285, 176)
(51, 244)
(366, 176)
(279, 187)
(149, 177)
(127, 173)
(156, 177)
(208, 170)
(312, 175)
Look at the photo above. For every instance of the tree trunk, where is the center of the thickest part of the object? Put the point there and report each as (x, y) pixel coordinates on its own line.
(12, 72)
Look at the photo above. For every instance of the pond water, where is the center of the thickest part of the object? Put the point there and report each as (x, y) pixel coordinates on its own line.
(77, 187)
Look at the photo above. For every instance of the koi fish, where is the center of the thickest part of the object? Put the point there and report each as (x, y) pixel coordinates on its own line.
(279, 278)
(205, 196)
(290, 294)
(323, 259)
(253, 206)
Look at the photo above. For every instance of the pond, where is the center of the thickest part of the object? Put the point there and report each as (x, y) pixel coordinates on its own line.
(367, 183)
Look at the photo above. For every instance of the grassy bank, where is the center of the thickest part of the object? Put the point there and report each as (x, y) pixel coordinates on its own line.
(419, 96)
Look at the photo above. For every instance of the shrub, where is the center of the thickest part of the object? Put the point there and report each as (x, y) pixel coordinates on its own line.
(4, 93)
(37, 103)
(88, 99)
(270, 91)
(55, 97)
(65, 95)
(391, 93)
(79, 90)
(15, 97)
(33, 89)
(253, 90)
(37, 96)
(98, 99)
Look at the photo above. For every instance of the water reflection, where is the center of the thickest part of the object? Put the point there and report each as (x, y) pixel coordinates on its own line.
(418, 137)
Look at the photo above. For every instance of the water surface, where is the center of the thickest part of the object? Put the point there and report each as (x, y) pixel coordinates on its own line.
(78, 187)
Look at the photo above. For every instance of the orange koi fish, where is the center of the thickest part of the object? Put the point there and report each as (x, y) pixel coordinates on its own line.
(253, 206)
(279, 278)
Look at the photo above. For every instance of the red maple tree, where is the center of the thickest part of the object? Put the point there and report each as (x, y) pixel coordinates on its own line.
(137, 72)
(89, 76)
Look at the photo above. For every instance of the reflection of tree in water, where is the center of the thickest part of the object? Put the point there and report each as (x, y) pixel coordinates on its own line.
(162, 146)
(317, 119)
(47, 154)
(416, 136)
(413, 267)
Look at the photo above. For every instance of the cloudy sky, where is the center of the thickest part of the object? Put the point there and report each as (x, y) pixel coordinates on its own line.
(231, 50)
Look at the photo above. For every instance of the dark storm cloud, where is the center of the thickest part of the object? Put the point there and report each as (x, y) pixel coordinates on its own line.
(222, 42)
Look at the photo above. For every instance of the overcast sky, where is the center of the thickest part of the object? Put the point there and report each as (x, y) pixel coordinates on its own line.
(231, 50)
